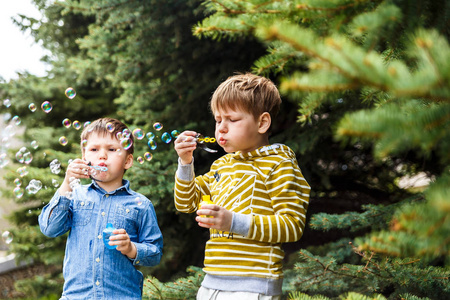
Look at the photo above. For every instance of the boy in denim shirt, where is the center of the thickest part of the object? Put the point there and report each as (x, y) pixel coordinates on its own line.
(91, 270)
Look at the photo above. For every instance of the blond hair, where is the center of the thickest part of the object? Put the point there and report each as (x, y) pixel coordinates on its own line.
(100, 126)
(248, 92)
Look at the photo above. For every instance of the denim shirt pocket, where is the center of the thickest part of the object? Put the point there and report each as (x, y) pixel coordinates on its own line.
(126, 218)
(82, 212)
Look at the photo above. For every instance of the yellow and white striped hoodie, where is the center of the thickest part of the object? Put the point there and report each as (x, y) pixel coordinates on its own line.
(268, 195)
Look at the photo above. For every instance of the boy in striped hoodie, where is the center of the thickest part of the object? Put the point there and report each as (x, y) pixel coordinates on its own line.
(259, 193)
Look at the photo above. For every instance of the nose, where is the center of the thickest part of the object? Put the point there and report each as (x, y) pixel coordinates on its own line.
(102, 154)
(222, 128)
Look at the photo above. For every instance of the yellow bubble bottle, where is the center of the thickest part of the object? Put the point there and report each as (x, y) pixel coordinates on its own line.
(206, 200)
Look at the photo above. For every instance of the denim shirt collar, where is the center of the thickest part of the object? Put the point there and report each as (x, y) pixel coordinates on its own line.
(125, 188)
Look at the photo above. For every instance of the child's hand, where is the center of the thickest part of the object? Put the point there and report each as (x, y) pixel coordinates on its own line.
(185, 145)
(78, 169)
(221, 217)
(123, 242)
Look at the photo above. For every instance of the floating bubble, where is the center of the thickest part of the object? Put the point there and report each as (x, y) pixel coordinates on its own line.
(166, 138)
(175, 133)
(126, 143)
(27, 158)
(32, 107)
(63, 140)
(158, 126)
(7, 237)
(3, 160)
(84, 143)
(119, 135)
(150, 135)
(86, 124)
(34, 144)
(55, 183)
(138, 200)
(66, 123)
(138, 133)
(109, 127)
(140, 160)
(16, 120)
(18, 192)
(76, 125)
(74, 182)
(17, 182)
(19, 156)
(34, 186)
(126, 133)
(152, 144)
(46, 107)
(22, 171)
(148, 156)
(7, 102)
(70, 93)
(55, 166)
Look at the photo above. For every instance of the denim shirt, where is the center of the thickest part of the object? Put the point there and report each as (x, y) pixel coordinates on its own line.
(92, 271)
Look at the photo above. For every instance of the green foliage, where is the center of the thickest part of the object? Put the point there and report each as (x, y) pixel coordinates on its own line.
(182, 288)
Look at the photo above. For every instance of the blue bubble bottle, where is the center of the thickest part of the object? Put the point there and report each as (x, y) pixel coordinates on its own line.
(107, 233)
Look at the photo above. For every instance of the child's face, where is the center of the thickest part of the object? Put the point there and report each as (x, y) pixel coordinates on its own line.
(106, 151)
(237, 130)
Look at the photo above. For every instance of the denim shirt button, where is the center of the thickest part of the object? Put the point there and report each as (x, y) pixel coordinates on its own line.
(103, 213)
(106, 195)
(127, 210)
(97, 282)
(137, 262)
(97, 259)
(99, 236)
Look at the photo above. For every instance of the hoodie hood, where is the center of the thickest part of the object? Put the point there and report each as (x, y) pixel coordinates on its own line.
(274, 149)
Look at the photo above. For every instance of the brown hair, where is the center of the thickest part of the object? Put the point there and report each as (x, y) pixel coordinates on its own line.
(101, 126)
(251, 93)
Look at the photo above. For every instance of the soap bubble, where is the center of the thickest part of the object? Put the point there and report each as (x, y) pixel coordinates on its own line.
(140, 160)
(55, 166)
(66, 123)
(34, 144)
(18, 192)
(17, 182)
(86, 124)
(175, 133)
(46, 107)
(3, 160)
(152, 144)
(148, 156)
(166, 138)
(22, 171)
(126, 143)
(84, 143)
(74, 182)
(27, 157)
(70, 93)
(158, 126)
(76, 125)
(32, 107)
(138, 200)
(109, 127)
(16, 120)
(119, 135)
(7, 102)
(34, 186)
(126, 133)
(55, 183)
(150, 135)
(7, 237)
(63, 140)
(138, 133)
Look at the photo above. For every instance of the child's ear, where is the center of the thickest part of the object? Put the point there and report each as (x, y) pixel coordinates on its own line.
(128, 162)
(264, 122)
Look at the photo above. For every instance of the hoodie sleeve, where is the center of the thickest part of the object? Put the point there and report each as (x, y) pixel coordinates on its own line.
(289, 194)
